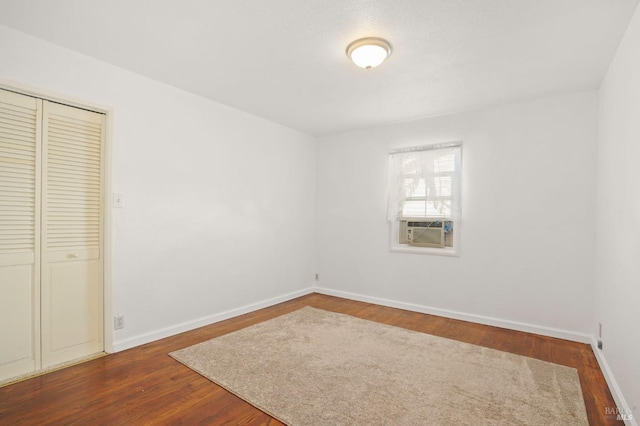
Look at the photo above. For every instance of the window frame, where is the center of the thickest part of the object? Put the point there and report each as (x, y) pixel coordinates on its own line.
(394, 224)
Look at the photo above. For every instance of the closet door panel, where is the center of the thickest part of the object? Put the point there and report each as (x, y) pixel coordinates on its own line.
(75, 320)
(72, 234)
(17, 334)
(19, 233)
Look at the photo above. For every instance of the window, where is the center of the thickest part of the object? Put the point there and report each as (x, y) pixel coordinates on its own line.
(424, 198)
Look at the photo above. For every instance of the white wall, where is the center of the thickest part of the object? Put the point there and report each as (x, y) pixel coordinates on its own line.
(219, 204)
(527, 252)
(617, 301)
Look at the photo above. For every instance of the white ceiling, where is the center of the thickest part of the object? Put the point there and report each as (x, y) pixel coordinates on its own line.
(285, 60)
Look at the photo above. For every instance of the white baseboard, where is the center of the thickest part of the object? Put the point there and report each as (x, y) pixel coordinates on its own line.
(621, 403)
(480, 319)
(200, 322)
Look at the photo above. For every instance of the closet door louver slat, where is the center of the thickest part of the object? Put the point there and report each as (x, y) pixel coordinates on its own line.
(17, 168)
(63, 184)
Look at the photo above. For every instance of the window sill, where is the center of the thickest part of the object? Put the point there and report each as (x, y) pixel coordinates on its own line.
(448, 251)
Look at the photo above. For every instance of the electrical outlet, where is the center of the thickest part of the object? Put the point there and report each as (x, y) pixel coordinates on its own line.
(317, 277)
(600, 344)
(118, 322)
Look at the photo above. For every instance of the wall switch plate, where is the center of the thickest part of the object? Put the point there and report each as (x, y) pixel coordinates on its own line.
(118, 201)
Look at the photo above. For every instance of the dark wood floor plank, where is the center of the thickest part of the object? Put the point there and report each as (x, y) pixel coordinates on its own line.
(144, 385)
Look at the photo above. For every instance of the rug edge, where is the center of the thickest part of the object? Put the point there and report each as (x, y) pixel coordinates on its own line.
(201, 374)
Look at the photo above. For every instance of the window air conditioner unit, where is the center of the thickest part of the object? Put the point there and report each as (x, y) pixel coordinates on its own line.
(423, 233)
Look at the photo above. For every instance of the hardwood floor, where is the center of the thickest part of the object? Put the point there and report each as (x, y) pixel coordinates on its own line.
(144, 385)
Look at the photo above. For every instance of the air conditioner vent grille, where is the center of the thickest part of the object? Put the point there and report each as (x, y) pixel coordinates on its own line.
(425, 224)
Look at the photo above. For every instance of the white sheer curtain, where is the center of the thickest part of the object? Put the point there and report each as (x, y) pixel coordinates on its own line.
(424, 182)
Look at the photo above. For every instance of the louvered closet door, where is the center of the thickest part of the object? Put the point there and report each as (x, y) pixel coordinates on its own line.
(72, 258)
(19, 236)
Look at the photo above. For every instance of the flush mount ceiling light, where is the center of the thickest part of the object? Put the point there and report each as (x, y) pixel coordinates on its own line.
(368, 52)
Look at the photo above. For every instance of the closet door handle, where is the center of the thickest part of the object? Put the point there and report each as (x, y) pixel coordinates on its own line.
(72, 255)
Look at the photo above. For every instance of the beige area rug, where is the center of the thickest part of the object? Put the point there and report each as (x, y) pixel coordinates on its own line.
(313, 367)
